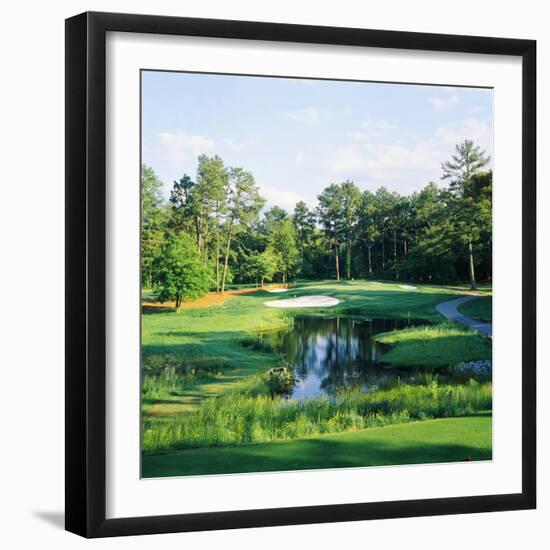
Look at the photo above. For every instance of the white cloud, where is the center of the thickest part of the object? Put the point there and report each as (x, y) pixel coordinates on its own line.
(365, 135)
(479, 131)
(181, 146)
(299, 157)
(371, 129)
(475, 110)
(400, 166)
(383, 125)
(404, 166)
(380, 124)
(233, 146)
(443, 103)
(178, 148)
(306, 116)
(350, 161)
(358, 135)
(280, 197)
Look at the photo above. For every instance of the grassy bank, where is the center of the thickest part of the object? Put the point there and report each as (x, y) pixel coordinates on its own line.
(434, 346)
(208, 339)
(204, 343)
(431, 441)
(481, 308)
(238, 418)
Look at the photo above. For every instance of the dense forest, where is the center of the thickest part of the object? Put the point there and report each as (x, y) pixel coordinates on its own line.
(215, 230)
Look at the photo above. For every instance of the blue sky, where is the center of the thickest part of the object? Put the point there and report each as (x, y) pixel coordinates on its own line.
(298, 136)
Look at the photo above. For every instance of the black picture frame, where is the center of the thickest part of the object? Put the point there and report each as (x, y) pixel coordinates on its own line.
(86, 278)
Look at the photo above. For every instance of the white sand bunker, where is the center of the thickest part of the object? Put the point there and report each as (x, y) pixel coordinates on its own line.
(274, 290)
(408, 287)
(305, 301)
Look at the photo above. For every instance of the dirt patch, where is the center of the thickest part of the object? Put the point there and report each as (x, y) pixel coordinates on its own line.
(211, 299)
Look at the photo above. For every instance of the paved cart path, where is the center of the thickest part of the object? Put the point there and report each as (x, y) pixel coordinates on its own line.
(450, 310)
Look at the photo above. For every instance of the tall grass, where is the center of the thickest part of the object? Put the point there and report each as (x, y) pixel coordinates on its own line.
(170, 374)
(238, 418)
(424, 332)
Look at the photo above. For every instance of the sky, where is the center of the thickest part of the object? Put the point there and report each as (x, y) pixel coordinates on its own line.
(298, 136)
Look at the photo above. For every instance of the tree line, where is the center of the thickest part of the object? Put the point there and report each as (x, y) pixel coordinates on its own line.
(214, 230)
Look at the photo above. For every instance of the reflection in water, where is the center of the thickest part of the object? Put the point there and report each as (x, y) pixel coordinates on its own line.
(328, 354)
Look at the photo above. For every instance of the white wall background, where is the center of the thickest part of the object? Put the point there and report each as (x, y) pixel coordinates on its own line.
(31, 273)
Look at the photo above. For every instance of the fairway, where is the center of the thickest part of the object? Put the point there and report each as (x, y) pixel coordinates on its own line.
(442, 440)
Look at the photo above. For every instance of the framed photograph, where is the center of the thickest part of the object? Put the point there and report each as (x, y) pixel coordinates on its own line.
(300, 274)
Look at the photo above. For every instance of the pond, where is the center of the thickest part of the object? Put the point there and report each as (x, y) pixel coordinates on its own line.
(328, 354)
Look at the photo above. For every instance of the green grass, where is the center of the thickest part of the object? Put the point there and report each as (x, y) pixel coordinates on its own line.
(380, 298)
(481, 308)
(431, 441)
(214, 334)
(434, 346)
(209, 336)
(238, 418)
(205, 384)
